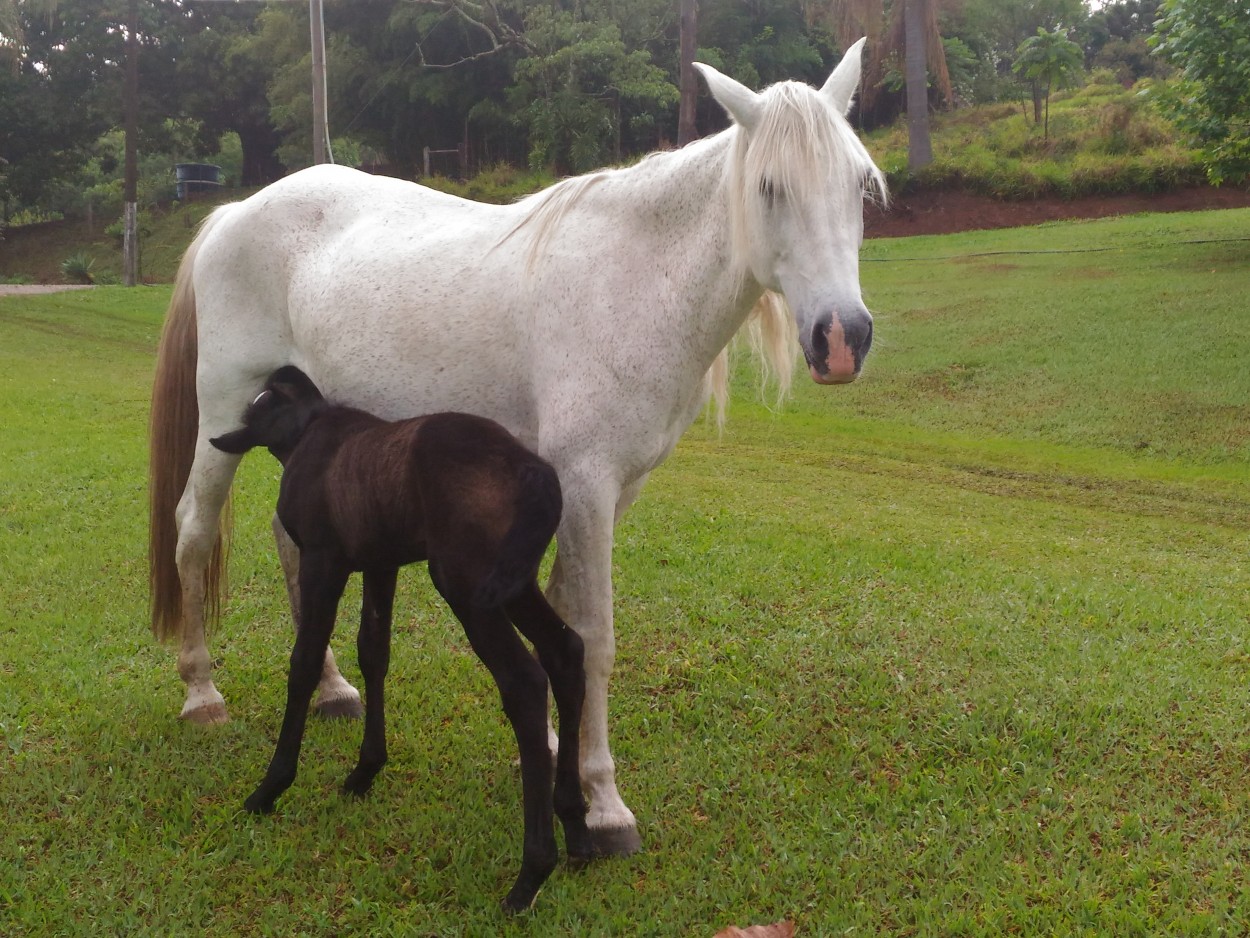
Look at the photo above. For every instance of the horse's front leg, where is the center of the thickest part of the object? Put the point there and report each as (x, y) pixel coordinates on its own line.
(580, 590)
(336, 697)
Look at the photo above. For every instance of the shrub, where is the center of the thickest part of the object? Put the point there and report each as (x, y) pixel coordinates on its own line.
(499, 184)
(77, 267)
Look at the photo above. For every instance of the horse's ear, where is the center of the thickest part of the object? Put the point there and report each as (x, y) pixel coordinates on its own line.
(741, 102)
(841, 86)
(237, 442)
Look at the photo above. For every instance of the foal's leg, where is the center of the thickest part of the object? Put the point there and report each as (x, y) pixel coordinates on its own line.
(336, 697)
(321, 586)
(373, 647)
(523, 691)
(560, 651)
(580, 590)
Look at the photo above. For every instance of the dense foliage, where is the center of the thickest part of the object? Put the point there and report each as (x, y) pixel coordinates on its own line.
(558, 85)
(1209, 40)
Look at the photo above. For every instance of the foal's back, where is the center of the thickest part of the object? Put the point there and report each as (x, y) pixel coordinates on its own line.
(395, 491)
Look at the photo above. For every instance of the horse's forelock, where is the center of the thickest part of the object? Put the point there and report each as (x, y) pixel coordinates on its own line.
(802, 149)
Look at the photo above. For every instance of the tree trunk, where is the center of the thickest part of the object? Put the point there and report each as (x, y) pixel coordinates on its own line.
(260, 154)
(919, 147)
(130, 227)
(686, 130)
(1036, 91)
(1046, 125)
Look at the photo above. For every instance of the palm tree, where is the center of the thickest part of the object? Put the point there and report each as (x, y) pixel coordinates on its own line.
(1051, 58)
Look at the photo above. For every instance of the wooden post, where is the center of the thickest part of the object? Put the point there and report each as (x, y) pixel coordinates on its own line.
(318, 81)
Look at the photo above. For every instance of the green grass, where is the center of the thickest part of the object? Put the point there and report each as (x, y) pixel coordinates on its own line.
(961, 649)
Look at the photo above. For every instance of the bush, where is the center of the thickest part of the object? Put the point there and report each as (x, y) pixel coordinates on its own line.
(499, 184)
(77, 267)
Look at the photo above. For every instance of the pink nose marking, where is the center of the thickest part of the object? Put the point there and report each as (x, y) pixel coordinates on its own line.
(841, 360)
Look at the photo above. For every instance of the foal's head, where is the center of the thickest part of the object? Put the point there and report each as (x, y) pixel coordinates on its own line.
(278, 417)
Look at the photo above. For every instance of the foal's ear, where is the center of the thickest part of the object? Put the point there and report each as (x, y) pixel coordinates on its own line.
(841, 86)
(237, 442)
(741, 102)
(294, 385)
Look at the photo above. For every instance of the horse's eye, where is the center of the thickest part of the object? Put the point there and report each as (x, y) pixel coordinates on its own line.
(769, 191)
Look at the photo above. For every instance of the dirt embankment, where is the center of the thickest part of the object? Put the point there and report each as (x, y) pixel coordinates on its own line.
(923, 213)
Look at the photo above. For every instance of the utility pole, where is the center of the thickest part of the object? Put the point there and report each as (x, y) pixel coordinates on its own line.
(320, 133)
(686, 129)
(130, 223)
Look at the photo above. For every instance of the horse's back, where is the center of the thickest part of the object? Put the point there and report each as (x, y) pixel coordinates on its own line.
(389, 293)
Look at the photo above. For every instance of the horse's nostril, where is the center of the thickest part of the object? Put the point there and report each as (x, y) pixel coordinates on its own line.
(820, 342)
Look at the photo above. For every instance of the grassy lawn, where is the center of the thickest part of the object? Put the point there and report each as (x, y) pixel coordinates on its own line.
(961, 649)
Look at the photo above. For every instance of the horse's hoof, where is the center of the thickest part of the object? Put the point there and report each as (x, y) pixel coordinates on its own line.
(340, 708)
(206, 714)
(615, 841)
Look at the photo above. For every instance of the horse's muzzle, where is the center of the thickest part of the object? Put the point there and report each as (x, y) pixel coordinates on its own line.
(838, 347)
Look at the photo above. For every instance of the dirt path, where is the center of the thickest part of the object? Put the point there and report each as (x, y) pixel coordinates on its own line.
(22, 289)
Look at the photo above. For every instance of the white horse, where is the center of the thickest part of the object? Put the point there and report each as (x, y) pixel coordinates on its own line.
(583, 318)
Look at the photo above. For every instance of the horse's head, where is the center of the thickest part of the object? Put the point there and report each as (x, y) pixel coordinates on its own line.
(278, 417)
(798, 177)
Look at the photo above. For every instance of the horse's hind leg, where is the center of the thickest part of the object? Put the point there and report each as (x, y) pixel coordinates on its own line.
(335, 697)
(197, 518)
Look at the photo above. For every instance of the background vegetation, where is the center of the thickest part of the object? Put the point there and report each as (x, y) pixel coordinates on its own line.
(548, 85)
(959, 649)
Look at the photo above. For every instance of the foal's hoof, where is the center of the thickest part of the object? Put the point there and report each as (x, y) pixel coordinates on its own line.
(615, 841)
(513, 906)
(337, 708)
(258, 804)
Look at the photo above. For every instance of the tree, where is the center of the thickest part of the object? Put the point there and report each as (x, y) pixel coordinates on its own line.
(1209, 41)
(1049, 59)
(919, 144)
(906, 30)
(573, 90)
(687, 81)
(994, 29)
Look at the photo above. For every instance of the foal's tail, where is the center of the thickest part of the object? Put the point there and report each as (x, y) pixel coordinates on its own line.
(173, 430)
(537, 517)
